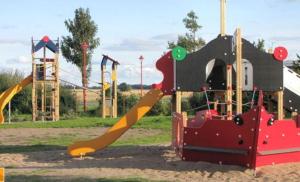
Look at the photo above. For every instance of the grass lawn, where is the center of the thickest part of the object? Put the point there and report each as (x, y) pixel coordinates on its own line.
(160, 123)
(155, 122)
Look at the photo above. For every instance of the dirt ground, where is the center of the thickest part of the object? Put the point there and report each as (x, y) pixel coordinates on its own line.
(157, 162)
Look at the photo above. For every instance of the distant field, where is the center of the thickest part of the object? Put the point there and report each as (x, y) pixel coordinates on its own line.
(93, 95)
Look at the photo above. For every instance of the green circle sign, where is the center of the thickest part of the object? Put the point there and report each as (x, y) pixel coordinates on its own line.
(179, 53)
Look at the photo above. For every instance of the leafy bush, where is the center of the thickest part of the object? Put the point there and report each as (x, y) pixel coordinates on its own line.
(124, 87)
(157, 109)
(21, 103)
(67, 102)
(185, 105)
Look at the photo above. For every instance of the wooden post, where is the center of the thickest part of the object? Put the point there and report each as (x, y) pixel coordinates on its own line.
(115, 89)
(43, 85)
(53, 91)
(239, 72)
(280, 105)
(229, 92)
(185, 119)
(33, 91)
(176, 102)
(57, 89)
(216, 105)
(103, 69)
(223, 18)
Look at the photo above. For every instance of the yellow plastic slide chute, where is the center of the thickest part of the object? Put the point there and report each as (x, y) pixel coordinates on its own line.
(7, 95)
(111, 135)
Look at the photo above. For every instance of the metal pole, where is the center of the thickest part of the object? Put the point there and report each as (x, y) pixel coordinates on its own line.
(84, 82)
(141, 78)
(141, 59)
(84, 47)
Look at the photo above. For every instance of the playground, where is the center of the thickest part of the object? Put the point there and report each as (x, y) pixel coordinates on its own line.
(223, 109)
(35, 154)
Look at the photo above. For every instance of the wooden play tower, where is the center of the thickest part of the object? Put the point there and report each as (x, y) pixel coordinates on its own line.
(109, 104)
(45, 84)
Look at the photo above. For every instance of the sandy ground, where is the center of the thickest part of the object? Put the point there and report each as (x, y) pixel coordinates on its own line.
(150, 162)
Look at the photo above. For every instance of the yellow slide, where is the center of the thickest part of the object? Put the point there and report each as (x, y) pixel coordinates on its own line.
(134, 114)
(7, 95)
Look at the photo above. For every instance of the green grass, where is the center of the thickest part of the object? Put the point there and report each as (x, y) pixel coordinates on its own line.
(155, 122)
(65, 140)
(60, 142)
(164, 137)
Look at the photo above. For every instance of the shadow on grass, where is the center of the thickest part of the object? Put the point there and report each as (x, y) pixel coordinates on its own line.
(36, 178)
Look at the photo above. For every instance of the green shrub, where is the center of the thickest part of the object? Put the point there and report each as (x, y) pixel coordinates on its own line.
(21, 103)
(124, 87)
(67, 102)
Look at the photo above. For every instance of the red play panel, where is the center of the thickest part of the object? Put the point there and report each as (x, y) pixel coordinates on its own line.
(252, 142)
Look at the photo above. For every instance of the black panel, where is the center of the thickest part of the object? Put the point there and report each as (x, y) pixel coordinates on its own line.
(217, 78)
(267, 72)
(191, 72)
(291, 101)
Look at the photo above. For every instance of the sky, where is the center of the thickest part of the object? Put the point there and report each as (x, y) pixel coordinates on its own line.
(131, 28)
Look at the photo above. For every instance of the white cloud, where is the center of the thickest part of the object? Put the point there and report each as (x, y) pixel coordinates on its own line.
(8, 27)
(285, 38)
(136, 45)
(165, 37)
(19, 60)
(14, 41)
(155, 43)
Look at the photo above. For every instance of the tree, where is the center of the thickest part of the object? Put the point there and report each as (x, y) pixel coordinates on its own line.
(189, 41)
(124, 87)
(296, 65)
(260, 44)
(82, 29)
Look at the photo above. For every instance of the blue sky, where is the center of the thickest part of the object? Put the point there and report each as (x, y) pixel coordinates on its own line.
(130, 28)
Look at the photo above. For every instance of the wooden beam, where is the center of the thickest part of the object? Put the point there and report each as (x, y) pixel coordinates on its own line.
(43, 85)
(103, 69)
(33, 91)
(280, 105)
(115, 89)
(56, 87)
(239, 72)
(223, 18)
(185, 119)
(176, 102)
(229, 92)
